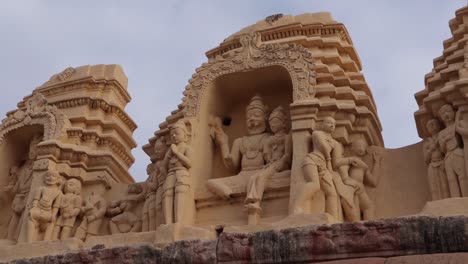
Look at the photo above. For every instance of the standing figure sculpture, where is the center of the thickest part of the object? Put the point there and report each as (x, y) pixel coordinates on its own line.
(317, 168)
(178, 161)
(434, 159)
(93, 211)
(367, 172)
(247, 153)
(450, 143)
(21, 188)
(45, 205)
(160, 172)
(153, 192)
(70, 208)
(277, 153)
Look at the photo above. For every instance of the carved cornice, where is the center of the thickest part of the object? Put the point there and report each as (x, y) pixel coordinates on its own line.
(36, 112)
(76, 156)
(288, 31)
(112, 143)
(95, 104)
(296, 59)
(88, 83)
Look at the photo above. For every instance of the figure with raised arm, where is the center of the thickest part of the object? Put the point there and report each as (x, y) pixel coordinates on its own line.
(247, 153)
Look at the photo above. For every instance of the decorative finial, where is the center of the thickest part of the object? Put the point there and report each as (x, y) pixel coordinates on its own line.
(273, 18)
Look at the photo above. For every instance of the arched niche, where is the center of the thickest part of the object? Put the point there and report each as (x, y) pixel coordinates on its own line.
(14, 151)
(227, 97)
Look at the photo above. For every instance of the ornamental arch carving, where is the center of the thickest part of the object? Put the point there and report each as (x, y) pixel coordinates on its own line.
(36, 111)
(252, 54)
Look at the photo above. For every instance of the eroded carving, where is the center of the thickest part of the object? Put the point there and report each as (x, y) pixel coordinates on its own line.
(46, 202)
(93, 211)
(152, 208)
(123, 220)
(70, 208)
(21, 175)
(450, 143)
(434, 158)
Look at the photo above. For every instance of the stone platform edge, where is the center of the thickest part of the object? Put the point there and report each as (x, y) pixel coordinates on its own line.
(371, 241)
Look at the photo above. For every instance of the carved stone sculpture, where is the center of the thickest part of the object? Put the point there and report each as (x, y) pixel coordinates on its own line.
(246, 152)
(152, 206)
(21, 188)
(123, 219)
(318, 169)
(93, 211)
(70, 208)
(450, 143)
(176, 190)
(278, 154)
(160, 172)
(434, 159)
(367, 173)
(46, 202)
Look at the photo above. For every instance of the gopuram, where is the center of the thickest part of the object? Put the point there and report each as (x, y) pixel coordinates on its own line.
(274, 155)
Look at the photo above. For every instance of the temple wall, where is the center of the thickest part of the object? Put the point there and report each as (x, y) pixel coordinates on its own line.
(403, 188)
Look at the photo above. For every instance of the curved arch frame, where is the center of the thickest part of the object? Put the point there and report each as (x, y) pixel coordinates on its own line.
(296, 59)
(37, 112)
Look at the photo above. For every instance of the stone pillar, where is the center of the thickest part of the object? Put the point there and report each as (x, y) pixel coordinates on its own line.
(303, 117)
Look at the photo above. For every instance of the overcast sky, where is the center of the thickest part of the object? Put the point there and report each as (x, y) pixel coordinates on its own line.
(161, 43)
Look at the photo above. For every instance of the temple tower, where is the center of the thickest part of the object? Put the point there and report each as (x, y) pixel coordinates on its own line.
(74, 124)
(307, 64)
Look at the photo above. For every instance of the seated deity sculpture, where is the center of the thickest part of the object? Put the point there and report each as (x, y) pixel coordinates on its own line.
(361, 173)
(153, 191)
(46, 202)
(277, 153)
(20, 190)
(434, 159)
(123, 220)
(450, 143)
(318, 169)
(70, 208)
(92, 211)
(177, 161)
(246, 154)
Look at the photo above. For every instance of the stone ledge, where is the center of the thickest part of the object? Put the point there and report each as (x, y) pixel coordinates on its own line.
(382, 241)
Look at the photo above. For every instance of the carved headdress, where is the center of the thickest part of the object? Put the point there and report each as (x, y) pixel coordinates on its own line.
(257, 103)
(180, 124)
(279, 113)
